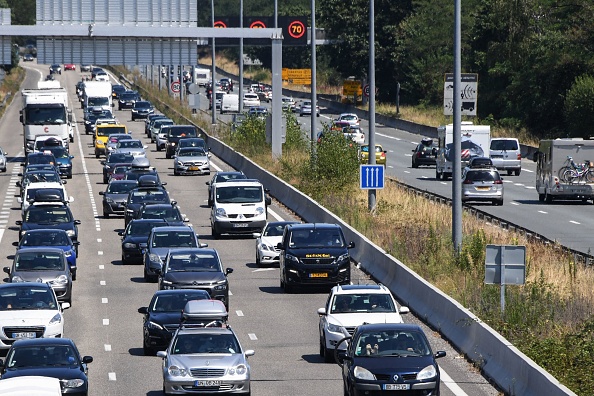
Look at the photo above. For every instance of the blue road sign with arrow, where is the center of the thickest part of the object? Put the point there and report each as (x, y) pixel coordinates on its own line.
(371, 177)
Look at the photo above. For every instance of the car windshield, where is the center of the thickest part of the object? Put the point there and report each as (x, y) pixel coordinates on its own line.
(182, 132)
(205, 343)
(143, 228)
(45, 238)
(349, 117)
(363, 302)
(27, 298)
(119, 157)
(34, 177)
(119, 138)
(142, 105)
(196, 262)
(173, 239)
(120, 188)
(272, 230)
(175, 302)
(165, 213)
(365, 149)
(316, 238)
(47, 215)
(239, 194)
(391, 343)
(130, 144)
(192, 153)
(41, 356)
(41, 159)
(106, 131)
(38, 261)
(98, 101)
(31, 192)
(482, 175)
(192, 143)
(121, 169)
(148, 196)
(58, 152)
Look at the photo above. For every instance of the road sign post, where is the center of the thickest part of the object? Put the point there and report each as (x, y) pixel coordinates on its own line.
(371, 177)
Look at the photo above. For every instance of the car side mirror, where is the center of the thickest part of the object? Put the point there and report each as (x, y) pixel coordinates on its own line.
(143, 310)
(249, 352)
(142, 245)
(7, 270)
(228, 271)
(101, 192)
(65, 305)
(351, 245)
(71, 199)
(76, 222)
(322, 311)
(203, 245)
(121, 233)
(535, 156)
(440, 354)
(268, 200)
(87, 359)
(18, 184)
(207, 183)
(18, 222)
(15, 243)
(256, 234)
(162, 354)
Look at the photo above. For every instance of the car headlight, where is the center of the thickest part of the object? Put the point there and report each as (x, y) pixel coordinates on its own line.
(109, 200)
(427, 373)
(263, 246)
(129, 245)
(72, 383)
(61, 280)
(334, 328)
(154, 326)
(222, 286)
(290, 257)
(179, 163)
(221, 212)
(23, 232)
(363, 374)
(70, 233)
(56, 319)
(68, 253)
(240, 369)
(259, 211)
(343, 257)
(175, 371)
(154, 258)
(172, 143)
(17, 279)
(166, 282)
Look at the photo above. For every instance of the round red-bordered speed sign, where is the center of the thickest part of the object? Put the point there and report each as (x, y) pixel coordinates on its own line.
(175, 87)
(296, 29)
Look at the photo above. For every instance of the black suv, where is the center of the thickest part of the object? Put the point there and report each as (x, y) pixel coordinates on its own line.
(314, 254)
(174, 133)
(127, 99)
(197, 268)
(144, 195)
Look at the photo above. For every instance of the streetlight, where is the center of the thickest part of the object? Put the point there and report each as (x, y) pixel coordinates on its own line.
(213, 85)
(372, 193)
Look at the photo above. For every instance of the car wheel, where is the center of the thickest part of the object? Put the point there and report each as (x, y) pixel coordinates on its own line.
(167, 155)
(289, 289)
(414, 165)
(328, 354)
(517, 172)
(165, 393)
(73, 275)
(69, 177)
(548, 197)
(258, 263)
(437, 175)
(96, 154)
(175, 173)
(509, 172)
(4, 170)
(148, 351)
(541, 197)
(214, 233)
(158, 147)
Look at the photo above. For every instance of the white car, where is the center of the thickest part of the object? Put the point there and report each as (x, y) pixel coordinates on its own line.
(349, 306)
(266, 251)
(29, 310)
(305, 108)
(251, 100)
(44, 192)
(355, 133)
(131, 146)
(351, 118)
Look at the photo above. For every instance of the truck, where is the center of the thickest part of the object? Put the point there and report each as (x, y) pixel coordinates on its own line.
(202, 76)
(553, 158)
(474, 142)
(45, 111)
(97, 94)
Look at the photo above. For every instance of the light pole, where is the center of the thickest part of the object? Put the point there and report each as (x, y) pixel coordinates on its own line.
(372, 192)
(241, 58)
(213, 94)
(457, 171)
(313, 72)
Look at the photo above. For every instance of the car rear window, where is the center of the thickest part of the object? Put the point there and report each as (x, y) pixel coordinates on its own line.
(504, 145)
(483, 176)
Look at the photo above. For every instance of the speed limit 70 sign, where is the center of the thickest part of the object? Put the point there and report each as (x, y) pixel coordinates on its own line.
(175, 87)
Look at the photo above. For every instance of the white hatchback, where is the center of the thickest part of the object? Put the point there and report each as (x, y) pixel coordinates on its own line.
(351, 118)
(251, 100)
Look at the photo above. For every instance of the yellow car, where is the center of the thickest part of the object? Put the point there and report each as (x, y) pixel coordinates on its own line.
(380, 154)
(102, 132)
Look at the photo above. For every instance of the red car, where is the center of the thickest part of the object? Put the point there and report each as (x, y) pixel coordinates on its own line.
(118, 171)
(69, 66)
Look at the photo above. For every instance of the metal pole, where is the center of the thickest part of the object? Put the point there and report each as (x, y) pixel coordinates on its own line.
(457, 171)
(502, 280)
(313, 72)
(276, 13)
(372, 192)
(241, 58)
(213, 87)
(277, 113)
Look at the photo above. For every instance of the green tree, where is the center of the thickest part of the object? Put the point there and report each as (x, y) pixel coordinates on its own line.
(579, 107)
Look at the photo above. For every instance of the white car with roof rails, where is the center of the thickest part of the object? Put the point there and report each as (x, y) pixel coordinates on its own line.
(349, 306)
(43, 192)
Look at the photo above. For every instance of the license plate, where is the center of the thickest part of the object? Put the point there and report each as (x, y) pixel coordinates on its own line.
(23, 335)
(483, 188)
(396, 386)
(207, 383)
(318, 275)
(193, 168)
(238, 225)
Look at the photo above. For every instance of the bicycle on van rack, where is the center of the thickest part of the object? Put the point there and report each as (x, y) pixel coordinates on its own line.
(576, 173)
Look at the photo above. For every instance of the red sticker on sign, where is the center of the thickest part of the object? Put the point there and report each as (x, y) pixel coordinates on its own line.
(296, 29)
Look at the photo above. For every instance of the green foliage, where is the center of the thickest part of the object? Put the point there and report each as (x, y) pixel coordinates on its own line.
(250, 136)
(579, 107)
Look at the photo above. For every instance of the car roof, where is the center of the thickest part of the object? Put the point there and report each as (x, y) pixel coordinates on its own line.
(236, 182)
(389, 326)
(308, 226)
(26, 285)
(176, 228)
(44, 230)
(43, 341)
(355, 289)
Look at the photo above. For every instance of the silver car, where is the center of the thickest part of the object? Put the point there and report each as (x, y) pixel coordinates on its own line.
(191, 161)
(3, 160)
(131, 146)
(44, 265)
(114, 139)
(205, 359)
(482, 184)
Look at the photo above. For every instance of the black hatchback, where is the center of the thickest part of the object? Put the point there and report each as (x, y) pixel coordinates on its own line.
(424, 154)
(389, 358)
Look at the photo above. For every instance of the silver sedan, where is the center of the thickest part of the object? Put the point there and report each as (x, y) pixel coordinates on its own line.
(191, 161)
(131, 146)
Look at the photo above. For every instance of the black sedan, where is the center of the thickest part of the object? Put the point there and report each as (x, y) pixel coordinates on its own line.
(55, 69)
(113, 159)
(142, 109)
(115, 195)
(127, 99)
(144, 195)
(424, 154)
(163, 316)
(49, 357)
(137, 232)
(389, 358)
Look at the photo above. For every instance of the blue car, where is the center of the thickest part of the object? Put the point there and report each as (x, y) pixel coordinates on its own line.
(63, 159)
(54, 238)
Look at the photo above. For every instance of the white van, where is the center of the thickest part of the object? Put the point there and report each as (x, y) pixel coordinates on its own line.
(251, 100)
(506, 155)
(238, 207)
(230, 103)
(30, 385)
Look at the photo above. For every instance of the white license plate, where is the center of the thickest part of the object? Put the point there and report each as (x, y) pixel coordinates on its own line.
(23, 335)
(207, 383)
(396, 386)
(239, 225)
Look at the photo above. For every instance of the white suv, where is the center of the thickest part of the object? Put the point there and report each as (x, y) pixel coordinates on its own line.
(349, 306)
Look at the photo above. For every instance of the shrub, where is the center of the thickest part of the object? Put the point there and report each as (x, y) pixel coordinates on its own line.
(579, 107)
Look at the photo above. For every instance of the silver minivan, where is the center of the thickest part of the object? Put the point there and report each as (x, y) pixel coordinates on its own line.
(506, 155)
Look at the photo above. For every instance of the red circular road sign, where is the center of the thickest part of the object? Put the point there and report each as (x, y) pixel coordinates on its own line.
(366, 90)
(257, 25)
(220, 24)
(175, 87)
(296, 29)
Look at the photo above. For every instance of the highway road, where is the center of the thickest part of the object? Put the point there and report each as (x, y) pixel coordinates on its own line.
(104, 322)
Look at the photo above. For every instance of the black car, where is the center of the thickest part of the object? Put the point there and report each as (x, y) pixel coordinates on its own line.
(49, 357)
(143, 195)
(50, 215)
(33, 175)
(148, 122)
(314, 254)
(63, 159)
(92, 115)
(141, 109)
(55, 69)
(137, 231)
(115, 196)
(127, 99)
(197, 268)
(174, 133)
(221, 177)
(163, 316)
(95, 71)
(388, 358)
(41, 158)
(424, 154)
(116, 90)
(168, 212)
(111, 160)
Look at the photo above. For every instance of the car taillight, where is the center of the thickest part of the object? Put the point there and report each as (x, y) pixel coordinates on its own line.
(519, 157)
(383, 155)
(498, 182)
(418, 154)
(467, 182)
